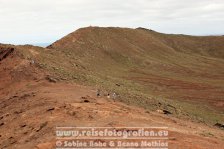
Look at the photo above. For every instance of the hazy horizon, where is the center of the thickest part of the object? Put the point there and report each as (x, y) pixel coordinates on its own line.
(45, 44)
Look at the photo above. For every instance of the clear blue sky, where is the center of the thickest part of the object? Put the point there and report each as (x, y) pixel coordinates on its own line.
(44, 21)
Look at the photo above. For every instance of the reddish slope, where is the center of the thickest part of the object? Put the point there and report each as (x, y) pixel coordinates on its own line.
(31, 108)
(176, 67)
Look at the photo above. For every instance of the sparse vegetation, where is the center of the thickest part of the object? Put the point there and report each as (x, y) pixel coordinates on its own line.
(155, 69)
(176, 79)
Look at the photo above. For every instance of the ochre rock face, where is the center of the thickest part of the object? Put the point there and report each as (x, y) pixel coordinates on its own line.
(5, 51)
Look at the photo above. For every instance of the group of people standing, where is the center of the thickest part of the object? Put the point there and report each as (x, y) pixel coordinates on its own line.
(112, 95)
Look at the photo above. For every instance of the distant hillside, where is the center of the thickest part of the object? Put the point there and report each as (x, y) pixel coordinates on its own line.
(158, 79)
(148, 68)
(178, 73)
(144, 39)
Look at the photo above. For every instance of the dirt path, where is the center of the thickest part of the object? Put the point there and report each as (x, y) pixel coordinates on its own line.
(30, 116)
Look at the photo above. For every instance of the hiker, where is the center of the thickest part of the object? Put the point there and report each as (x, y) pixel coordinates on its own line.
(98, 93)
(32, 62)
(114, 95)
(108, 95)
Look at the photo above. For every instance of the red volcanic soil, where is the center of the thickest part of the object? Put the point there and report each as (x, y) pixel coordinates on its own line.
(31, 107)
(5, 52)
(184, 90)
(34, 101)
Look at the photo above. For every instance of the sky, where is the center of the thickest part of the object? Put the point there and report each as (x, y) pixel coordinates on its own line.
(45, 21)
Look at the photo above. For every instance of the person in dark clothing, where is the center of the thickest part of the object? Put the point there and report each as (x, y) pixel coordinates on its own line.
(98, 93)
